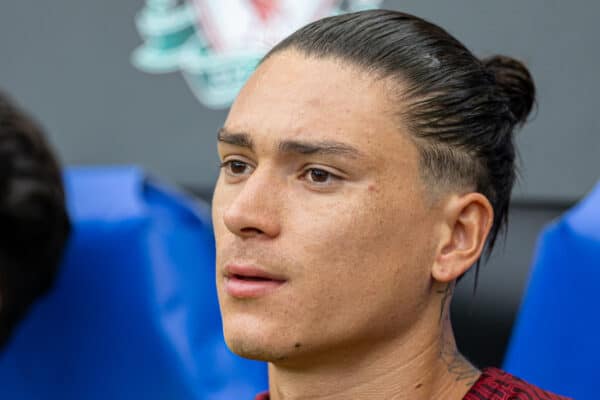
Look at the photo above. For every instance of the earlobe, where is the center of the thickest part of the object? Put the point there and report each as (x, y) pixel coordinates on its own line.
(442, 273)
(467, 222)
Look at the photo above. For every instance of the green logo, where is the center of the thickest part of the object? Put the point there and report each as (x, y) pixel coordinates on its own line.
(188, 36)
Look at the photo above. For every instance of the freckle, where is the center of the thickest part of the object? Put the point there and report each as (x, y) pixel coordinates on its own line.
(297, 345)
(419, 386)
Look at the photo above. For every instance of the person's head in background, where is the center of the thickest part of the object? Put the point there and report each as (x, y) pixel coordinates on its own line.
(366, 166)
(34, 225)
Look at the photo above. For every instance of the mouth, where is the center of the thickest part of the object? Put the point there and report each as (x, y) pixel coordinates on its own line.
(250, 282)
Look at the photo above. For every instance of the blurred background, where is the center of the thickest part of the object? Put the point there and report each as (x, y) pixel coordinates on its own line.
(68, 62)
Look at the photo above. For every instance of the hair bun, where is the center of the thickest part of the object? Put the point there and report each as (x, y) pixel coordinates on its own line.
(515, 82)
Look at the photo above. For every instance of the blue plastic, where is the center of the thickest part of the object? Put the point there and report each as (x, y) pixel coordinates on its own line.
(555, 342)
(134, 312)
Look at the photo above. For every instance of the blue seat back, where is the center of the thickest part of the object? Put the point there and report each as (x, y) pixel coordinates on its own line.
(555, 341)
(134, 312)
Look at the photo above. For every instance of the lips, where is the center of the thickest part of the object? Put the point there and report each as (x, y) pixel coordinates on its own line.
(245, 281)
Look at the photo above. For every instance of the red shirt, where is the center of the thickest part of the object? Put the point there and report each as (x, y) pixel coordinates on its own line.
(495, 384)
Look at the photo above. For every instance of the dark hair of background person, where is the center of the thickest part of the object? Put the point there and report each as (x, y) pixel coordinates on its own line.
(461, 111)
(34, 225)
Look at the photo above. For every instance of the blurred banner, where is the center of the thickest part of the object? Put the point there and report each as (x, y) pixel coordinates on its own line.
(134, 313)
(217, 43)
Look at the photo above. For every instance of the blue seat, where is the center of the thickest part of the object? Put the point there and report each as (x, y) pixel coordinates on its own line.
(555, 341)
(134, 312)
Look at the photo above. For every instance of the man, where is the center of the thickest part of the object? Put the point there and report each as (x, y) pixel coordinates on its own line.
(366, 165)
(34, 225)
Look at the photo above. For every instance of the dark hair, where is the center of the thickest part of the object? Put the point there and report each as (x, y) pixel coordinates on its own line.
(34, 225)
(461, 111)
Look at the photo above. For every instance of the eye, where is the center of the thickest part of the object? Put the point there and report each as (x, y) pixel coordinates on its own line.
(319, 176)
(236, 168)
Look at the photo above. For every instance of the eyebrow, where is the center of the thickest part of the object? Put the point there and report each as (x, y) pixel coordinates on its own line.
(235, 139)
(325, 147)
(319, 147)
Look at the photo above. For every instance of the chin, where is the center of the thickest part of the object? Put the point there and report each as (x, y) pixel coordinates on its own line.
(256, 349)
(255, 341)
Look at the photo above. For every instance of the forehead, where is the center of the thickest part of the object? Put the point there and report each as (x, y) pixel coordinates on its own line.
(292, 95)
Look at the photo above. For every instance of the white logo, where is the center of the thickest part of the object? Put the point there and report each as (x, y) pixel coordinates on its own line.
(218, 43)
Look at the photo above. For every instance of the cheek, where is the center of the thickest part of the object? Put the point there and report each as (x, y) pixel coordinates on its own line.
(217, 201)
(220, 203)
(222, 197)
(364, 250)
(366, 223)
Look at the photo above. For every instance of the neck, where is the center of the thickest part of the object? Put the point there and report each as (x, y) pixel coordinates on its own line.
(418, 365)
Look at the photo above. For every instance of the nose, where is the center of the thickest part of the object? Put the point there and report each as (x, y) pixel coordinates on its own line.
(254, 211)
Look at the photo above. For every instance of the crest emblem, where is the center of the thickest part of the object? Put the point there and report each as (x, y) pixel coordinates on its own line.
(216, 44)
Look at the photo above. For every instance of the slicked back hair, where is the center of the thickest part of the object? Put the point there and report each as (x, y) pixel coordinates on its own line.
(460, 111)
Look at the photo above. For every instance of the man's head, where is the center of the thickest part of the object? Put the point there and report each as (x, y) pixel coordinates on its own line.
(34, 225)
(364, 165)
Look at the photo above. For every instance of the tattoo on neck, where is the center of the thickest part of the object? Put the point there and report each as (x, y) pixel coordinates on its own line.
(457, 365)
(446, 295)
(460, 368)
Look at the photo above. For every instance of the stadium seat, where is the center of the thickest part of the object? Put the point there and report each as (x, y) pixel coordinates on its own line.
(134, 313)
(554, 343)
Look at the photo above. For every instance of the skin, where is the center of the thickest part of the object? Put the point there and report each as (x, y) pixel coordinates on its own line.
(321, 185)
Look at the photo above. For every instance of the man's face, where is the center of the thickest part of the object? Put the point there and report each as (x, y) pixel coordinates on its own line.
(324, 236)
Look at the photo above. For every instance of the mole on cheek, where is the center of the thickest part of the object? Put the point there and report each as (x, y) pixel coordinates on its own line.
(297, 345)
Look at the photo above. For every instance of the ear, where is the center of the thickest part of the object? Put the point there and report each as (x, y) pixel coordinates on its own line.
(467, 220)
